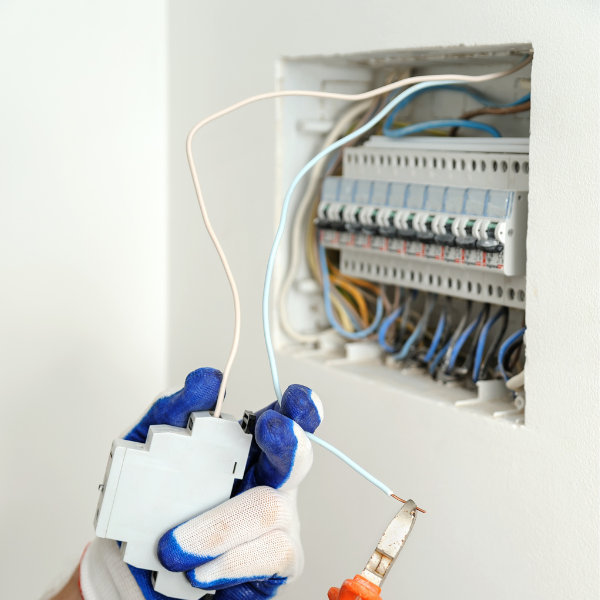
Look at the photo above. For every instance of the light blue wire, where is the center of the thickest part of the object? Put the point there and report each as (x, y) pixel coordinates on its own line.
(284, 210)
(332, 160)
(357, 335)
(439, 356)
(417, 127)
(505, 346)
(384, 488)
(465, 90)
(419, 329)
(437, 336)
(481, 342)
(385, 325)
(463, 338)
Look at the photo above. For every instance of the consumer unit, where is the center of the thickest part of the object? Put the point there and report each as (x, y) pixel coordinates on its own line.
(408, 251)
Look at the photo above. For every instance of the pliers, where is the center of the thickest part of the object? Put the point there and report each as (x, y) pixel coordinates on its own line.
(367, 585)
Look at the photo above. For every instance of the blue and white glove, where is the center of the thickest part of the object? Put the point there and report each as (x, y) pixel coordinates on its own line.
(245, 548)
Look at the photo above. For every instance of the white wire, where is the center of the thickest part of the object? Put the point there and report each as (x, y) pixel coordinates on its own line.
(297, 230)
(332, 96)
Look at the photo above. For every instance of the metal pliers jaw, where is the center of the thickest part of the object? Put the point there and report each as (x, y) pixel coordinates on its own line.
(367, 585)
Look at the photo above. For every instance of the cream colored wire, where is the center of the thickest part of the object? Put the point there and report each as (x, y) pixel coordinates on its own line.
(295, 254)
(303, 93)
(343, 312)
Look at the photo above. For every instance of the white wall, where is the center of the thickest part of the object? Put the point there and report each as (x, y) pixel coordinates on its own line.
(512, 511)
(83, 267)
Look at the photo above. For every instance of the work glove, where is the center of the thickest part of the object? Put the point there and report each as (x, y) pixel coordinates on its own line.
(245, 548)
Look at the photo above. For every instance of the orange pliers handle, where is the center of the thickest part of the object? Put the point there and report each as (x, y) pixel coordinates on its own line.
(358, 588)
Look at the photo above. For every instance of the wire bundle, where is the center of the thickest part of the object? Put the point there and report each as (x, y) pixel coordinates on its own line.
(393, 128)
(443, 350)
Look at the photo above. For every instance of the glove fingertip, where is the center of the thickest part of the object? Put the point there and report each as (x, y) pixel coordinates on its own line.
(253, 590)
(191, 575)
(174, 558)
(200, 392)
(302, 405)
(201, 387)
(263, 583)
(277, 438)
(287, 452)
(274, 433)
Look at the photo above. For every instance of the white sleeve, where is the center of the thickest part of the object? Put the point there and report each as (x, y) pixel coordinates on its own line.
(104, 576)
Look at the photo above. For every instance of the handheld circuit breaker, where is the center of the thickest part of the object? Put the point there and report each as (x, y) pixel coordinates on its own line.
(177, 474)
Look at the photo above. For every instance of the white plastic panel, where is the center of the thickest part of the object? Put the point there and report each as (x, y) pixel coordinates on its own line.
(434, 276)
(399, 161)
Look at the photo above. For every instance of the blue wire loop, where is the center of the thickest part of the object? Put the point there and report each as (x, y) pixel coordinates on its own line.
(387, 126)
(463, 89)
(356, 335)
(425, 125)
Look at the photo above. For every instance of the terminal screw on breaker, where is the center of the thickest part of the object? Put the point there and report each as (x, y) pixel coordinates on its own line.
(367, 585)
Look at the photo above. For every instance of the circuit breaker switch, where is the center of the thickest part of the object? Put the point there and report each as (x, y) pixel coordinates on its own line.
(322, 221)
(426, 233)
(445, 239)
(176, 474)
(405, 223)
(486, 232)
(491, 230)
(385, 220)
(500, 232)
(335, 214)
(444, 235)
(351, 218)
(438, 224)
(368, 218)
(490, 246)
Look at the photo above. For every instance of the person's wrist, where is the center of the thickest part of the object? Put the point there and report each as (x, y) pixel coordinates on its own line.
(71, 589)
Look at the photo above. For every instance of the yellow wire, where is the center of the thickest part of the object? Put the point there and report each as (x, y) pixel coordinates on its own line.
(344, 319)
(354, 292)
(360, 282)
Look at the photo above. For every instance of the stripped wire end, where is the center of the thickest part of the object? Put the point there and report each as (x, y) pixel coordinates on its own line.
(404, 502)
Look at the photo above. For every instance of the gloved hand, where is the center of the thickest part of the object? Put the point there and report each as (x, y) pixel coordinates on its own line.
(247, 547)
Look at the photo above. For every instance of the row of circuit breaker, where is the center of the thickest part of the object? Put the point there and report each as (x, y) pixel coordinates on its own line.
(462, 226)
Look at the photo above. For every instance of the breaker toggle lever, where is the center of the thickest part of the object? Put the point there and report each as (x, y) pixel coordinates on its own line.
(367, 585)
